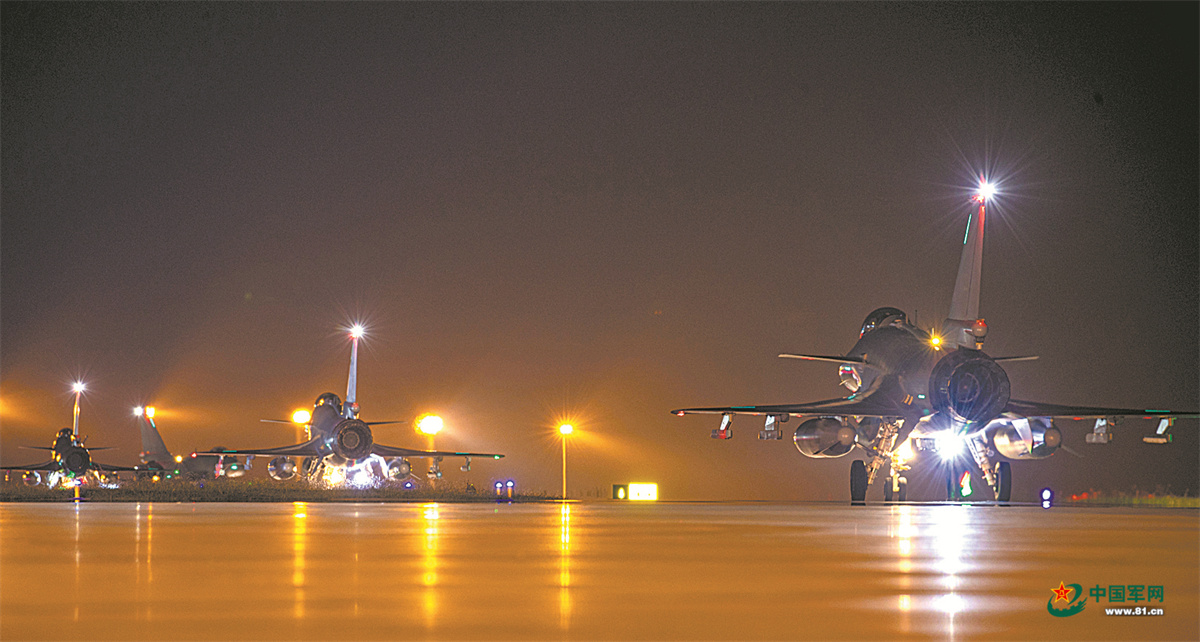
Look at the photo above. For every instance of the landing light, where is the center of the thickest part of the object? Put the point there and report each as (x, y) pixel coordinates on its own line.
(179, 458)
(949, 444)
(905, 452)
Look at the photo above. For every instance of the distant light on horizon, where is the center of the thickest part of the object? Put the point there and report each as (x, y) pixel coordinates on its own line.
(430, 424)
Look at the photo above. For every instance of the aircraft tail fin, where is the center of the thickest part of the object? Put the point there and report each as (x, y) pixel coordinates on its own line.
(964, 306)
(352, 381)
(153, 448)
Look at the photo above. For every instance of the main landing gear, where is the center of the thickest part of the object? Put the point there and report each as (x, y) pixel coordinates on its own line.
(884, 451)
(997, 476)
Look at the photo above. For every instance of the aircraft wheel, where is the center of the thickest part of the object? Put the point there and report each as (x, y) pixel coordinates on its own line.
(858, 482)
(887, 490)
(1003, 481)
(902, 493)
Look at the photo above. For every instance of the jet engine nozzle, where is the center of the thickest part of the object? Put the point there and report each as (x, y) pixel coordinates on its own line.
(76, 460)
(281, 468)
(969, 386)
(824, 437)
(352, 439)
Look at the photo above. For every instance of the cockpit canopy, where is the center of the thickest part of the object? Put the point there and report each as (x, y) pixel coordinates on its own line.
(882, 317)
(329, 399)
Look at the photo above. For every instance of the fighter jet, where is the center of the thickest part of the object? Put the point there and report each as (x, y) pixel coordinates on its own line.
(159, 463)
(913, 389)
(70, 461)
(340, 445)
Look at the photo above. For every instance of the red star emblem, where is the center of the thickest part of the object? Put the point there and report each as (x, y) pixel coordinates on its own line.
(1061, 593)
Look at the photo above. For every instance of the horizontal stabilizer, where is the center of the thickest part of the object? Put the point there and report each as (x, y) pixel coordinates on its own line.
(392, 451)
(817, 357)
(49, 466)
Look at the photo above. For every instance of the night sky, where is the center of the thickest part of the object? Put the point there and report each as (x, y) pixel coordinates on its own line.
(598, 212)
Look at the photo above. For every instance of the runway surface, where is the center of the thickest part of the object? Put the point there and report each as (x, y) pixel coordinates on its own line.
(589, 571)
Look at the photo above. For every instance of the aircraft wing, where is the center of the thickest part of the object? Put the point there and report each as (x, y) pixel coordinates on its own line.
(878, 401)
(109, 468)
(47, 466)
(392, 451)
(1037, 409)
(311, 448)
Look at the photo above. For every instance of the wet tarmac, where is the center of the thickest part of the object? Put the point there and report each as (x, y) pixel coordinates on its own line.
(590, 571)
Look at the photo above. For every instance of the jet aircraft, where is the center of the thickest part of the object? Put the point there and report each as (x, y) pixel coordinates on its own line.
(913, 389)
(340, 444)
(70, 459)
(158, 462)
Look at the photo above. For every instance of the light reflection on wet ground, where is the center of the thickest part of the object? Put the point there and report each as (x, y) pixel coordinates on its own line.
(584, 571)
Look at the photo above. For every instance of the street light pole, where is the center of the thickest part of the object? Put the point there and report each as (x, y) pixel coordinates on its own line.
(565, 430)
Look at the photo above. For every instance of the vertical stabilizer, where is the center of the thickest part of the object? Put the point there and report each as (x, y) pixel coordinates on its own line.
(153, 448)
(964, 306)
(352, 382)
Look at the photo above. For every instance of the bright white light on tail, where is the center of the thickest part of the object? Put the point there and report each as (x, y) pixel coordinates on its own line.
(78, 386)
(357, 331)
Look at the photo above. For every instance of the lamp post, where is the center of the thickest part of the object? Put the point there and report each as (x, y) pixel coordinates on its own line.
(431, 425)
(564, 431)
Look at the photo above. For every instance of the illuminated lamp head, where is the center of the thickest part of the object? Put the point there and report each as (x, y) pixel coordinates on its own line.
(150, 412)
(137, 412)
(566, 429)
(301, 416)
(430, 424)
(935, 341)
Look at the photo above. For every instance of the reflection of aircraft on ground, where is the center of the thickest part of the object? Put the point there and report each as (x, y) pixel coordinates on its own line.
(914, 389)
(158, 461)
(341, 448)
(70, 460)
